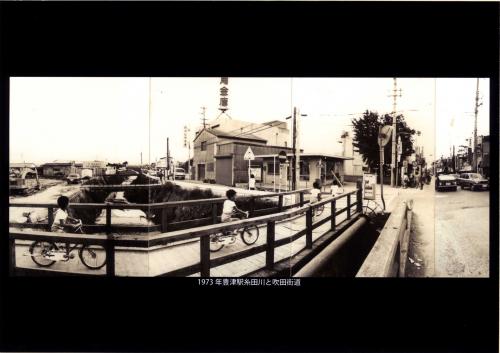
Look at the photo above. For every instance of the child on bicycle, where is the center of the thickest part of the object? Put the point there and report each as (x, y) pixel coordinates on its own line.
(62, 219)
(229, 209)
(316, 192)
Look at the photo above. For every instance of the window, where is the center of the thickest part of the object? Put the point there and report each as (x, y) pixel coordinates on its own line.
(204, 146)
(210, 167)
(270, 168)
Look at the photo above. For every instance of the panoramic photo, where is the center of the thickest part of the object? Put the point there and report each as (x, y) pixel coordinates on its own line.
(251, 181)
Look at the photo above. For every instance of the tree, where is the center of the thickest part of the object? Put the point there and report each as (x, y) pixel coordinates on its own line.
(366, 138)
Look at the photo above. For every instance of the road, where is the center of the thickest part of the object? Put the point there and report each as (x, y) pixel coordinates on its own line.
(450, 235)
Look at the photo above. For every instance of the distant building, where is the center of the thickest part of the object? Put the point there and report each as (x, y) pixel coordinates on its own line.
(483, 165)
(353, 165)
(59, 169)
(313, 166)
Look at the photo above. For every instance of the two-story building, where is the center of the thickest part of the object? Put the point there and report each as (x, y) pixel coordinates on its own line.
(220, 146)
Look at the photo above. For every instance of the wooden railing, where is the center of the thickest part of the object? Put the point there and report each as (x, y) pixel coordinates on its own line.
(165, 223)
(203, 234)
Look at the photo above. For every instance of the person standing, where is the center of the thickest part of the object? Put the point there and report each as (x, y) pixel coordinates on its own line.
(251, 182)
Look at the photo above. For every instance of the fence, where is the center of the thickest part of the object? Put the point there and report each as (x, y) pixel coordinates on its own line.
(165, 224)
(202, 233)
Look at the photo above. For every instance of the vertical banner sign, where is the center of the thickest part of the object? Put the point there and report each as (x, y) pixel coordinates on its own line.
(369, 183)
(224, 93)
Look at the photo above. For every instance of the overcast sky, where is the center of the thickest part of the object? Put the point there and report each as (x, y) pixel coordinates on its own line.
(110, 118)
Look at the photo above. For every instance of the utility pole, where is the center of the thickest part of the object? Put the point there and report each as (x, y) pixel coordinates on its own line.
(394, 131)
(149, 112)
(167, 162)
(474, 147)
(141, 159)
(294, 139)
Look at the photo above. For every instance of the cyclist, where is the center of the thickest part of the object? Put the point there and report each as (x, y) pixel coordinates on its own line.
(229, 209)
(316, 192)
(62, 219)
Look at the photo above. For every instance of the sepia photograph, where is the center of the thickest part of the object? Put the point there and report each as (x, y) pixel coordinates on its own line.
(266, 179)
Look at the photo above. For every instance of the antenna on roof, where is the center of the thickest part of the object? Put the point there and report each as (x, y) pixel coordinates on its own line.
(203, 119)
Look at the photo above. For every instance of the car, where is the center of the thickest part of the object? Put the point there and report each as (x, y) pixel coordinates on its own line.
(445, 182)
(179, 174)
(73, 179)
(473, 181)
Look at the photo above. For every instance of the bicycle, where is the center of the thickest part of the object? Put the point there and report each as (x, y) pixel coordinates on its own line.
(371, 212)
(47, 253)
(248, 234)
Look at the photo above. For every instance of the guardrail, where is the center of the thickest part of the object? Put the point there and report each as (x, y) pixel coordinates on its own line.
(203, 233)
(389, 253)
(165, 224)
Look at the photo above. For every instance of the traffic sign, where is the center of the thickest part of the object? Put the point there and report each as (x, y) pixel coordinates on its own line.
(282, 156)
(400, 146)
(384, 135)
(249, 156)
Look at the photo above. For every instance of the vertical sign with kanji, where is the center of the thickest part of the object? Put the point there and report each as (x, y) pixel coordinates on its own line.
(224, 93)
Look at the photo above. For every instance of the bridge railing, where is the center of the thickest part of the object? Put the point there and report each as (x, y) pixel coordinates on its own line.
(203, 233)
(166, 225)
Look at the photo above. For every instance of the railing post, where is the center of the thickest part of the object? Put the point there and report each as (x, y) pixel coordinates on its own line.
(164, 219)
(359, 200)
(252, 206)
(110, 256)
(309, 230)
(280, 202)
(205, 256)
(301, 198)
(108, 219)
(334, 212)
(214, 213)
(349, 206)
(50, 218)
(271, 226)
(12, 256)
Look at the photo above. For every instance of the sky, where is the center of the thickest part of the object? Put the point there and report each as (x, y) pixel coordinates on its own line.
(117, 119)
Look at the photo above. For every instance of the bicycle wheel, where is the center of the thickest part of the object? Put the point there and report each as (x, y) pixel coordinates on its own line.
(39, 251)
(92, 257)
(319, 210)
(250, 234)
(216, 243)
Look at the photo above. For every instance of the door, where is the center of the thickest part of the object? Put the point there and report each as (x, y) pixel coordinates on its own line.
(201, 171)
(224, 171)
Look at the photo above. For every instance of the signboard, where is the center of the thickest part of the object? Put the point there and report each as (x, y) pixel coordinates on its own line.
(249, 156)
(257, 173)
(369, 184)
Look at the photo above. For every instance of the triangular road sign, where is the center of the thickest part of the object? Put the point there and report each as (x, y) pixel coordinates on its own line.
(249, 156)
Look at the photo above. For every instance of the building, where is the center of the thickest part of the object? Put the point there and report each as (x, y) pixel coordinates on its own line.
(483, 164)
(97, 167)
(59, 169)
(313, 166)
(220, 146)
(353, 164)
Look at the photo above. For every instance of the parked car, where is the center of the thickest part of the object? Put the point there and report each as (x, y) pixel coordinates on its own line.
(73, 179)
(179, 174)
(473, 181)
(445, 182)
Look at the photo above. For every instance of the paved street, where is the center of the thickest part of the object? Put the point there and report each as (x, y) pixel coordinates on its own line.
(450, 235)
